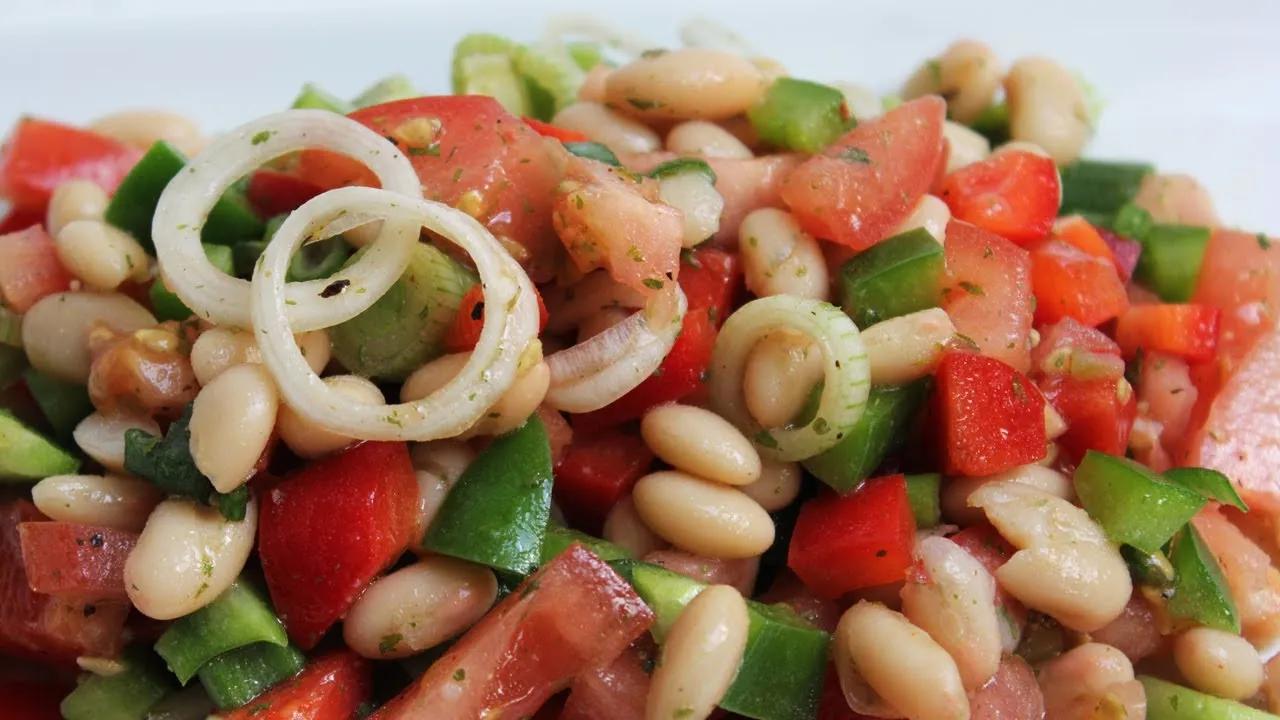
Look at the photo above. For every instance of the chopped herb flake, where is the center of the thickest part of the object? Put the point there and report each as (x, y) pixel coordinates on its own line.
(855, 155)
(262, 136)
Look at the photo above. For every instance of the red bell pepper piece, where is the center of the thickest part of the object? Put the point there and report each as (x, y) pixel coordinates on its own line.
(990, 417)
(41, 155)
(845, 543)
(597, 471)
(572, 616)
(272, 192)
(80, 562)
(1188, 331)
(25, 700)
(711, 278)
(564, 135)
(989, 292)
(1069, 282)
(30, 268)
(331, 687)
(1099, 413)
(464, 332)
(17, 220)
(1013, 194)
(326, 530)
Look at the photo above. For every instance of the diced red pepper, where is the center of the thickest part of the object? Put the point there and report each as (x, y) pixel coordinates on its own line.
(464, 332)
(1188, 331)
(1099, 413)
(40, 155)
(564, 135)
(990, 417)
(617, 691)
(25, 700)
(1013, 194)
(74, 561)
(574, 615)
(1069, 282)
(17, 220)
(845, 543)
(272, 192)
(331, 687)
(989, 292)
(712, 279)
(326, 530)
(597, 471)
(30, 268)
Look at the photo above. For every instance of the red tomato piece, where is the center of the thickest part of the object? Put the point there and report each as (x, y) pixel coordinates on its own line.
(748, 185)
(1077, 232)
(326, 530)
(1188, 331)
(573, 615)
(788, 590)
(30, 268)
(331, 687)
(1099, 413)
(617, 691)
(989, 548)
(17, 220)
(464, 332)
(1011, 694)
(866, 183)
(712, 279)
(1240, 275)
(855, 541)
(740, 573)
(555, 132)
(1136, 633)
(1069, 282)
(41, 155)
(1013, 194)
(24, 700)
(990, 417)
(272, 192)
(80, 562)
(597, 471)
(989, 295)
(1067, 334)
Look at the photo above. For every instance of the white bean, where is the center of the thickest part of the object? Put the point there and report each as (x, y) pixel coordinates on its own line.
(432, 490)
(512, 409)
(700, 657)
(101, 256)
(931, 214)
(778, 486)
(447, 459)
(111, 500)
(1219, 663)
(74, 200)
(966, 146)
(231, 423)
(701, 443)
(592, 88)
(863, 102)
(55, 331)
(686, 84)
(418, 607)
(308, 439)
(624, 528)
(1177, 200)
(101, 437)
(1079, 680)
(1065, 566)
(220, 348)
(954, 600)
(781, 372)
(700, 204)
(143, 128)
(706, 139)
(907, 347)
(956, 491)
(967, 74)
(316, 349)
(1047, 106)
(618, 132)
(891, 668)
(186, 556)
(779, 258)
(702, 517)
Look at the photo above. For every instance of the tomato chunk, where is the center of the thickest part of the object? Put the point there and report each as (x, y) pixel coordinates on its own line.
(1013, 194)
(30, 268)
(845, 543)
(597, 471)
(331, 687)
(1188, 331)
(1099, 413)
(866, 183)
(989, 548)
(1240, 275)
(617, 691)
(1070, 336)
(24, 700)
(16, 220)
(272, 192)
(1079, 233)
(40, 155)
(990, 417)
(1011, 693)
(326, 530)
(989, 292)
(712, 279)
(1069, 282)
(76, 561)
(573, 615)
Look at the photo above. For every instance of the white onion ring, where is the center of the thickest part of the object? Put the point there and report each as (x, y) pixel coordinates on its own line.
(510, 322)
(185, 204)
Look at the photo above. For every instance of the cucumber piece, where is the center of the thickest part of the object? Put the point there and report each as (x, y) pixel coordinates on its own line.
(1100, 186)
(239, 616)
(313, 97)
(388, 89)
(483, 65)
(901, 275)
(165, 305)
(1133, 505)
(237, 677)
(125, 696)
(405, 327)
(799, 115)
(923, 495)
(1170, 260)
(880, 430)
(586, 54)
(1166, 701)
(26, 456)
(557, 539)
(64, 404)
(497, 513)
(552, 76)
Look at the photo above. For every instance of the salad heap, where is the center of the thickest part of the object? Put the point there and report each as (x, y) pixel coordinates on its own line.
(634, 383)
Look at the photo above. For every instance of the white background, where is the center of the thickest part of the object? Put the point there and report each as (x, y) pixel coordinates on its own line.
(1193, 86)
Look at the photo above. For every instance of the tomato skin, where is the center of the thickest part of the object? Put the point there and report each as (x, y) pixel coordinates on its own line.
(846, 543)
(555, 132)
(989, 292)
(79, 562)
(1013, 194)
(990, 417)
(1069, 282)
(866, 183)
(331, 687)
(271, 192)
(1188, 331)
(597, 471)
(40, 155)
(326, 530)
(1097, 416)
(464, 332)
(30, 268)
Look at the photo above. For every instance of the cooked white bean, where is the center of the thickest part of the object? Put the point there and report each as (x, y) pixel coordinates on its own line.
(512, 409)
(1047, 106)
(1065, 566)
(185, 557)
(1176, 199)
(592, 88)
(55, 331)
(779, 258)
(701, 516)
(111, 500)
(219, 348)
(307, 439)
(967, 74)
(142, 128)
(907, 347)
(891, 668)
(706, 139)
(696, 197)
(418, 607)
(1075, 682)
(595, 324)
(686, 84)
(931, 214)
(316, 349)
(954, 600)
(432, 490)
(74, 200)
(618, 132)
(956, 491)
(231, 423)
(1021, 146)
(966, 145)
(447, 459)
(624, 528)
(701, 443)
(101, 256)
(863, 102)
(781, 372)
(700, 657)
(1219, 663)
(778, 486)
(101, 437)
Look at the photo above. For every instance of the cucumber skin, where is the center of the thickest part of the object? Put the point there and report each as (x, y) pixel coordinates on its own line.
(27, 456)
(1166, 701)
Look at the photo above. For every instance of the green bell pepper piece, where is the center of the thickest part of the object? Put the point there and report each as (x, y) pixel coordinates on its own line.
(235, 678)
(557, 539)
(240, 616)
(64, 404)
(1200, 592)
(1100, 186)
(799, 115)
(1209, 483)
(901, 275)
(1153, 569)
(1166, 701)
(880, 430)
(1131, 221)
(1170, 260)
(1132, 504)
(124, 696)
(166, 305)
(923, 494)
(26, 456)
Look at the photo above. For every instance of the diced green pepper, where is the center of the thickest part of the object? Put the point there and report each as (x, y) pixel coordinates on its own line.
(923, 493)
(1200, 592)
(901, 275)
(880, 430)
(1132, 504)
(1153, 569)
(1209, 483)
(237, 677)
(557, 539)
(993, 124)
(1131, 221)
(26, 456)
(799, 115)
(313, 97)
(64, 404)
(1166, 701)
(1170, 260)
(124, 696)
(166, 305)
(239, 616)
(1100, 186)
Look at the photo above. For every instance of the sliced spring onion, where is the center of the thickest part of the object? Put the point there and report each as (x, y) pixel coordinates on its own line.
(846, 373)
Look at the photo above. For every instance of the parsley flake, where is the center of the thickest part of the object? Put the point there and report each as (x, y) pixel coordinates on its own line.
(854, 155)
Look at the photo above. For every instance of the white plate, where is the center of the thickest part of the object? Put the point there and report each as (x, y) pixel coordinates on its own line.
(1192, 86)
